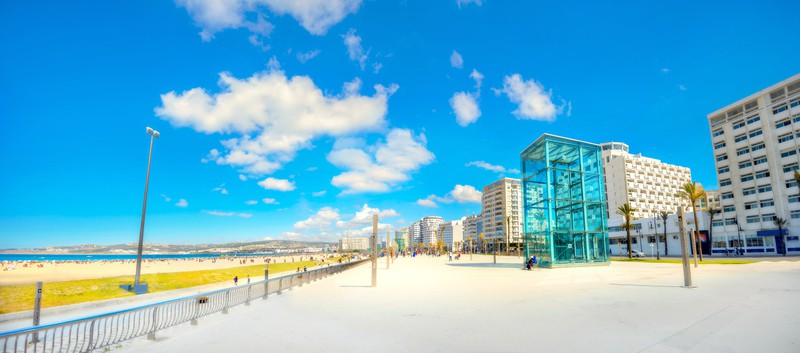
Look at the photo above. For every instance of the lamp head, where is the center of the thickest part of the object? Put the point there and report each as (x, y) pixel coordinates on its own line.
(152, 132)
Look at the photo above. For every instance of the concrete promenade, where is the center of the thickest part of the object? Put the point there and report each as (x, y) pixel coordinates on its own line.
(428, 304)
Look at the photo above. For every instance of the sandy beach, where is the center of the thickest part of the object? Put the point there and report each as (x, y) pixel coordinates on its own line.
(73, 270)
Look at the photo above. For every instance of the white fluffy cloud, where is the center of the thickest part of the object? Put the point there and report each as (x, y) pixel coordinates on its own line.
(465, 107)
(534, 102)
(182, 203)
(323, 219)
(303, 57)
(319, 193)
(251, 202)
(491, 167)
(466, 193)
(460, 194)
(456, 60)
(220, 189)
(364, 217)
(269, 201)
(354, 49)
(391, 163)
(166, 198)
(275, 115)
(277, 184)
(316, 16)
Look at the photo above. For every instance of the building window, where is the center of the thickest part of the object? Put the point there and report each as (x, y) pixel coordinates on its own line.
(782, 123)
(762, 174)
(750, 205)
(725, 182)
(779, 109)
(742, 151)
(722, 157)
(761, 160)
(786, 137)
(727, 195)
(719, 145)
(740, 138)
(768, 217)
(730, 221)
(791, 183)
(767, 203)
(755, 133)
(747, 177)
(723, 170)
(753, 119)
(738, 125)
(794, 199)
(745, 164)
(716, 133)
(718, 223)
(757, 147)
(788, 153)
(753, 219)
(729, 209)
(795, 214)
(790, 167)
(749, 191)
(753, 242)
(764, 188)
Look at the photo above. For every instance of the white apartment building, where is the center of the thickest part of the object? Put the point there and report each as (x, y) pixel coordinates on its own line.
(502, 200)
(402, 233)
(755, 141)
(415, 233)
(453, 234)
(647, 184)
(473, 225)
(347, 244)
(430, 227)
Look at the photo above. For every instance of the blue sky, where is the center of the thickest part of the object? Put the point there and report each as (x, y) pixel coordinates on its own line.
(298, 119)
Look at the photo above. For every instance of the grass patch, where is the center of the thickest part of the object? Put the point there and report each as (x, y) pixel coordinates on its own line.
(678, 261)
(20, 297)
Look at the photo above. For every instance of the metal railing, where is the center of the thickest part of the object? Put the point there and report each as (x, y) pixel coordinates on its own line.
(99, 331)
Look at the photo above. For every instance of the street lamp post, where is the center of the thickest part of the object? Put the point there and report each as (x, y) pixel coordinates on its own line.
(138, 288)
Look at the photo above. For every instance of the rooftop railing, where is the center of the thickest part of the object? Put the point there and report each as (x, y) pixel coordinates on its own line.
(104, 330)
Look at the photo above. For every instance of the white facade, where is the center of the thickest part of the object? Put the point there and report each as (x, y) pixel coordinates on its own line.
(453, 234)
(755, 142)
(473, 225)
(346, 244)
(647, 184)
(430, 227)
(415, 233)
(502, 200)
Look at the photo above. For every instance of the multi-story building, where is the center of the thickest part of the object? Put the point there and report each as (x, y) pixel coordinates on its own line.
(755, 141)
(453, 234)
(711, 200)
(430, 228)
(645, 230)
(473, 225)
(647, 184)
(349, 244)
(502, 206)
(401, 238)
(415, 233)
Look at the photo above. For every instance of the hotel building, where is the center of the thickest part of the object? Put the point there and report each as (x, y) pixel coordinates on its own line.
(453, 234)
(430, 227)
(755, 142)
(647, 184)
(502, 200)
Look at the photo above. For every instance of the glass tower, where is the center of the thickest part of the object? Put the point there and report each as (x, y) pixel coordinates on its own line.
(564, 203)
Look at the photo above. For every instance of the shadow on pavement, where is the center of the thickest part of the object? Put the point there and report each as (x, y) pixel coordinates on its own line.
(645, 285)
(346, 286)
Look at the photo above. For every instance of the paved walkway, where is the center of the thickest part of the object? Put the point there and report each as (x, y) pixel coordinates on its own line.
(428, 304)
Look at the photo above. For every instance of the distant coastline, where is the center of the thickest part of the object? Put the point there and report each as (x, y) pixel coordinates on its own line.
(48, 257)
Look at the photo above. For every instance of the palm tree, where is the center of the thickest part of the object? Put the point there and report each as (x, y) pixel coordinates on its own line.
(693, 192)
(469, 241)
(797, 178)
(781, 223)
(664, 215)
(626, 211)
(711, 213)
(481, 237)
(508, 232)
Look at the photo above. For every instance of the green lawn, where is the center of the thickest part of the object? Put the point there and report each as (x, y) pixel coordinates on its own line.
(677, 261)
(20, 297)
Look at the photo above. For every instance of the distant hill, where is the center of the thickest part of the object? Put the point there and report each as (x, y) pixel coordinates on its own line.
(242, 247)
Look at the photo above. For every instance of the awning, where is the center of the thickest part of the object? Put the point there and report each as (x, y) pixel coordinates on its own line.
(771, 232)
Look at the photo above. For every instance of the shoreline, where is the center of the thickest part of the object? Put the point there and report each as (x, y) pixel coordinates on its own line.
(29, 272)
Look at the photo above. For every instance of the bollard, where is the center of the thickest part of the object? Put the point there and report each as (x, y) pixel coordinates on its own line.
(37, 309)
(687, 270)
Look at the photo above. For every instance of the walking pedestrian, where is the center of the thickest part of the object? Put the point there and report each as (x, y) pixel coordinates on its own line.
(235, 280)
